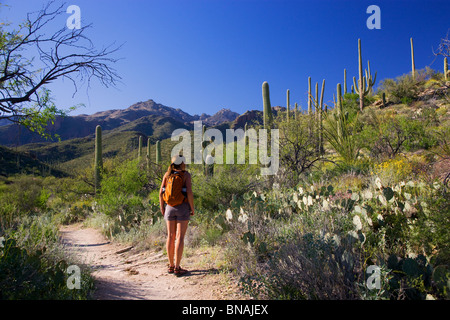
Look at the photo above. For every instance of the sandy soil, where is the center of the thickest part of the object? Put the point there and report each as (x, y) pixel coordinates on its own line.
(142, 275)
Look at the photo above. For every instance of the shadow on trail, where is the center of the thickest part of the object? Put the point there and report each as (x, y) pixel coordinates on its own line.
(200, 272)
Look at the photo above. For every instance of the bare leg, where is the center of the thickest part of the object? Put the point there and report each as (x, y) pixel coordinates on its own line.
(170, 244)
(179, 243)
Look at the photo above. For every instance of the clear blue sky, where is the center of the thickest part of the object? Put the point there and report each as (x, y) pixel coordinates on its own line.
(202, 56)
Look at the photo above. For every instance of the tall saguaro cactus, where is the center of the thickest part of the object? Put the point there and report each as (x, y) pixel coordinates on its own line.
(267, 108)
(140, 147)
(158, 152)
(446, 73)
(309, 96)
(365, 83)
(320, 119)
(345, 81)
(361, 79)
(340, 112)
(287, 104)
(98, 165)
(360, 88)
(148, 154)
(413, 65)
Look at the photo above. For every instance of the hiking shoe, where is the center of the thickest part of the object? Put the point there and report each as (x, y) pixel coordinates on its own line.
(180, 271)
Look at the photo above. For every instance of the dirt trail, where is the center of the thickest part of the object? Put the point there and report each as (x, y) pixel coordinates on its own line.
(141, 275)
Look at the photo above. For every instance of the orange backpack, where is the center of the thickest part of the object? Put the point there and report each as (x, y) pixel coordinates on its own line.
(174, 193)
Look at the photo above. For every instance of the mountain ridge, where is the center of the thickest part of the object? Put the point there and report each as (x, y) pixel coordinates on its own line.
(82, 125)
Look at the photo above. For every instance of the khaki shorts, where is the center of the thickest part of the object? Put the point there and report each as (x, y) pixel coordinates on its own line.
(181, 212)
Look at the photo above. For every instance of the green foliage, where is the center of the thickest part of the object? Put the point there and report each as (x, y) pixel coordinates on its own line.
(216, 192)
(368, 226)
(406, 88)
(387, 135)
(122, 196)
(341, 131)
(298, 147)
(33, 276)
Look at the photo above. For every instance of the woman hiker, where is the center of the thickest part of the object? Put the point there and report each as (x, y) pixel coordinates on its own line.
(177, 205)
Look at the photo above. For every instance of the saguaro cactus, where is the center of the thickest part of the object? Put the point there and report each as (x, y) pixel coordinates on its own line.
(309, 96)
(148, 154)
(413, 65)
(287, 104)
(365, 83)
(204, 144)
(369, 79)
(158, 152)
(320, 119)
(318, 116)
(140, 147)
(98, 165)
(340, 112)
(267, 108)
(361, 79)
(360, 88)
(246, 136)
(446, 73)
(345, 81)
(295, 111)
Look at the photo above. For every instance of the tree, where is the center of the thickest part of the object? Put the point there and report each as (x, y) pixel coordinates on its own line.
(444, 47)
(298, 146)
(31, 59)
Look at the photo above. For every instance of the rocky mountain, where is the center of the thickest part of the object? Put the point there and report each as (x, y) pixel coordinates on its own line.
(146, 117)
(253, 117)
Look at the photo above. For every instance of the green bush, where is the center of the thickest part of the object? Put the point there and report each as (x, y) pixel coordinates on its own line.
(341, 234)
(215, 193)
(401, 90)
(385, 136)
(33, 276)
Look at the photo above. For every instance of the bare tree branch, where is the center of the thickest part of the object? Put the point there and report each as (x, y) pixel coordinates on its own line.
(444, 47)
(65, 54)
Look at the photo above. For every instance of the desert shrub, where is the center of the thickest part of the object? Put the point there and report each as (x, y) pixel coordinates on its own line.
(299, 152)
(33, 275)
(216, 192)
(401, 90)
(25, 192)
(282, 238)
(280, 256)
(393, 171)
(122, 195)
(405, 89)
(387, 135)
